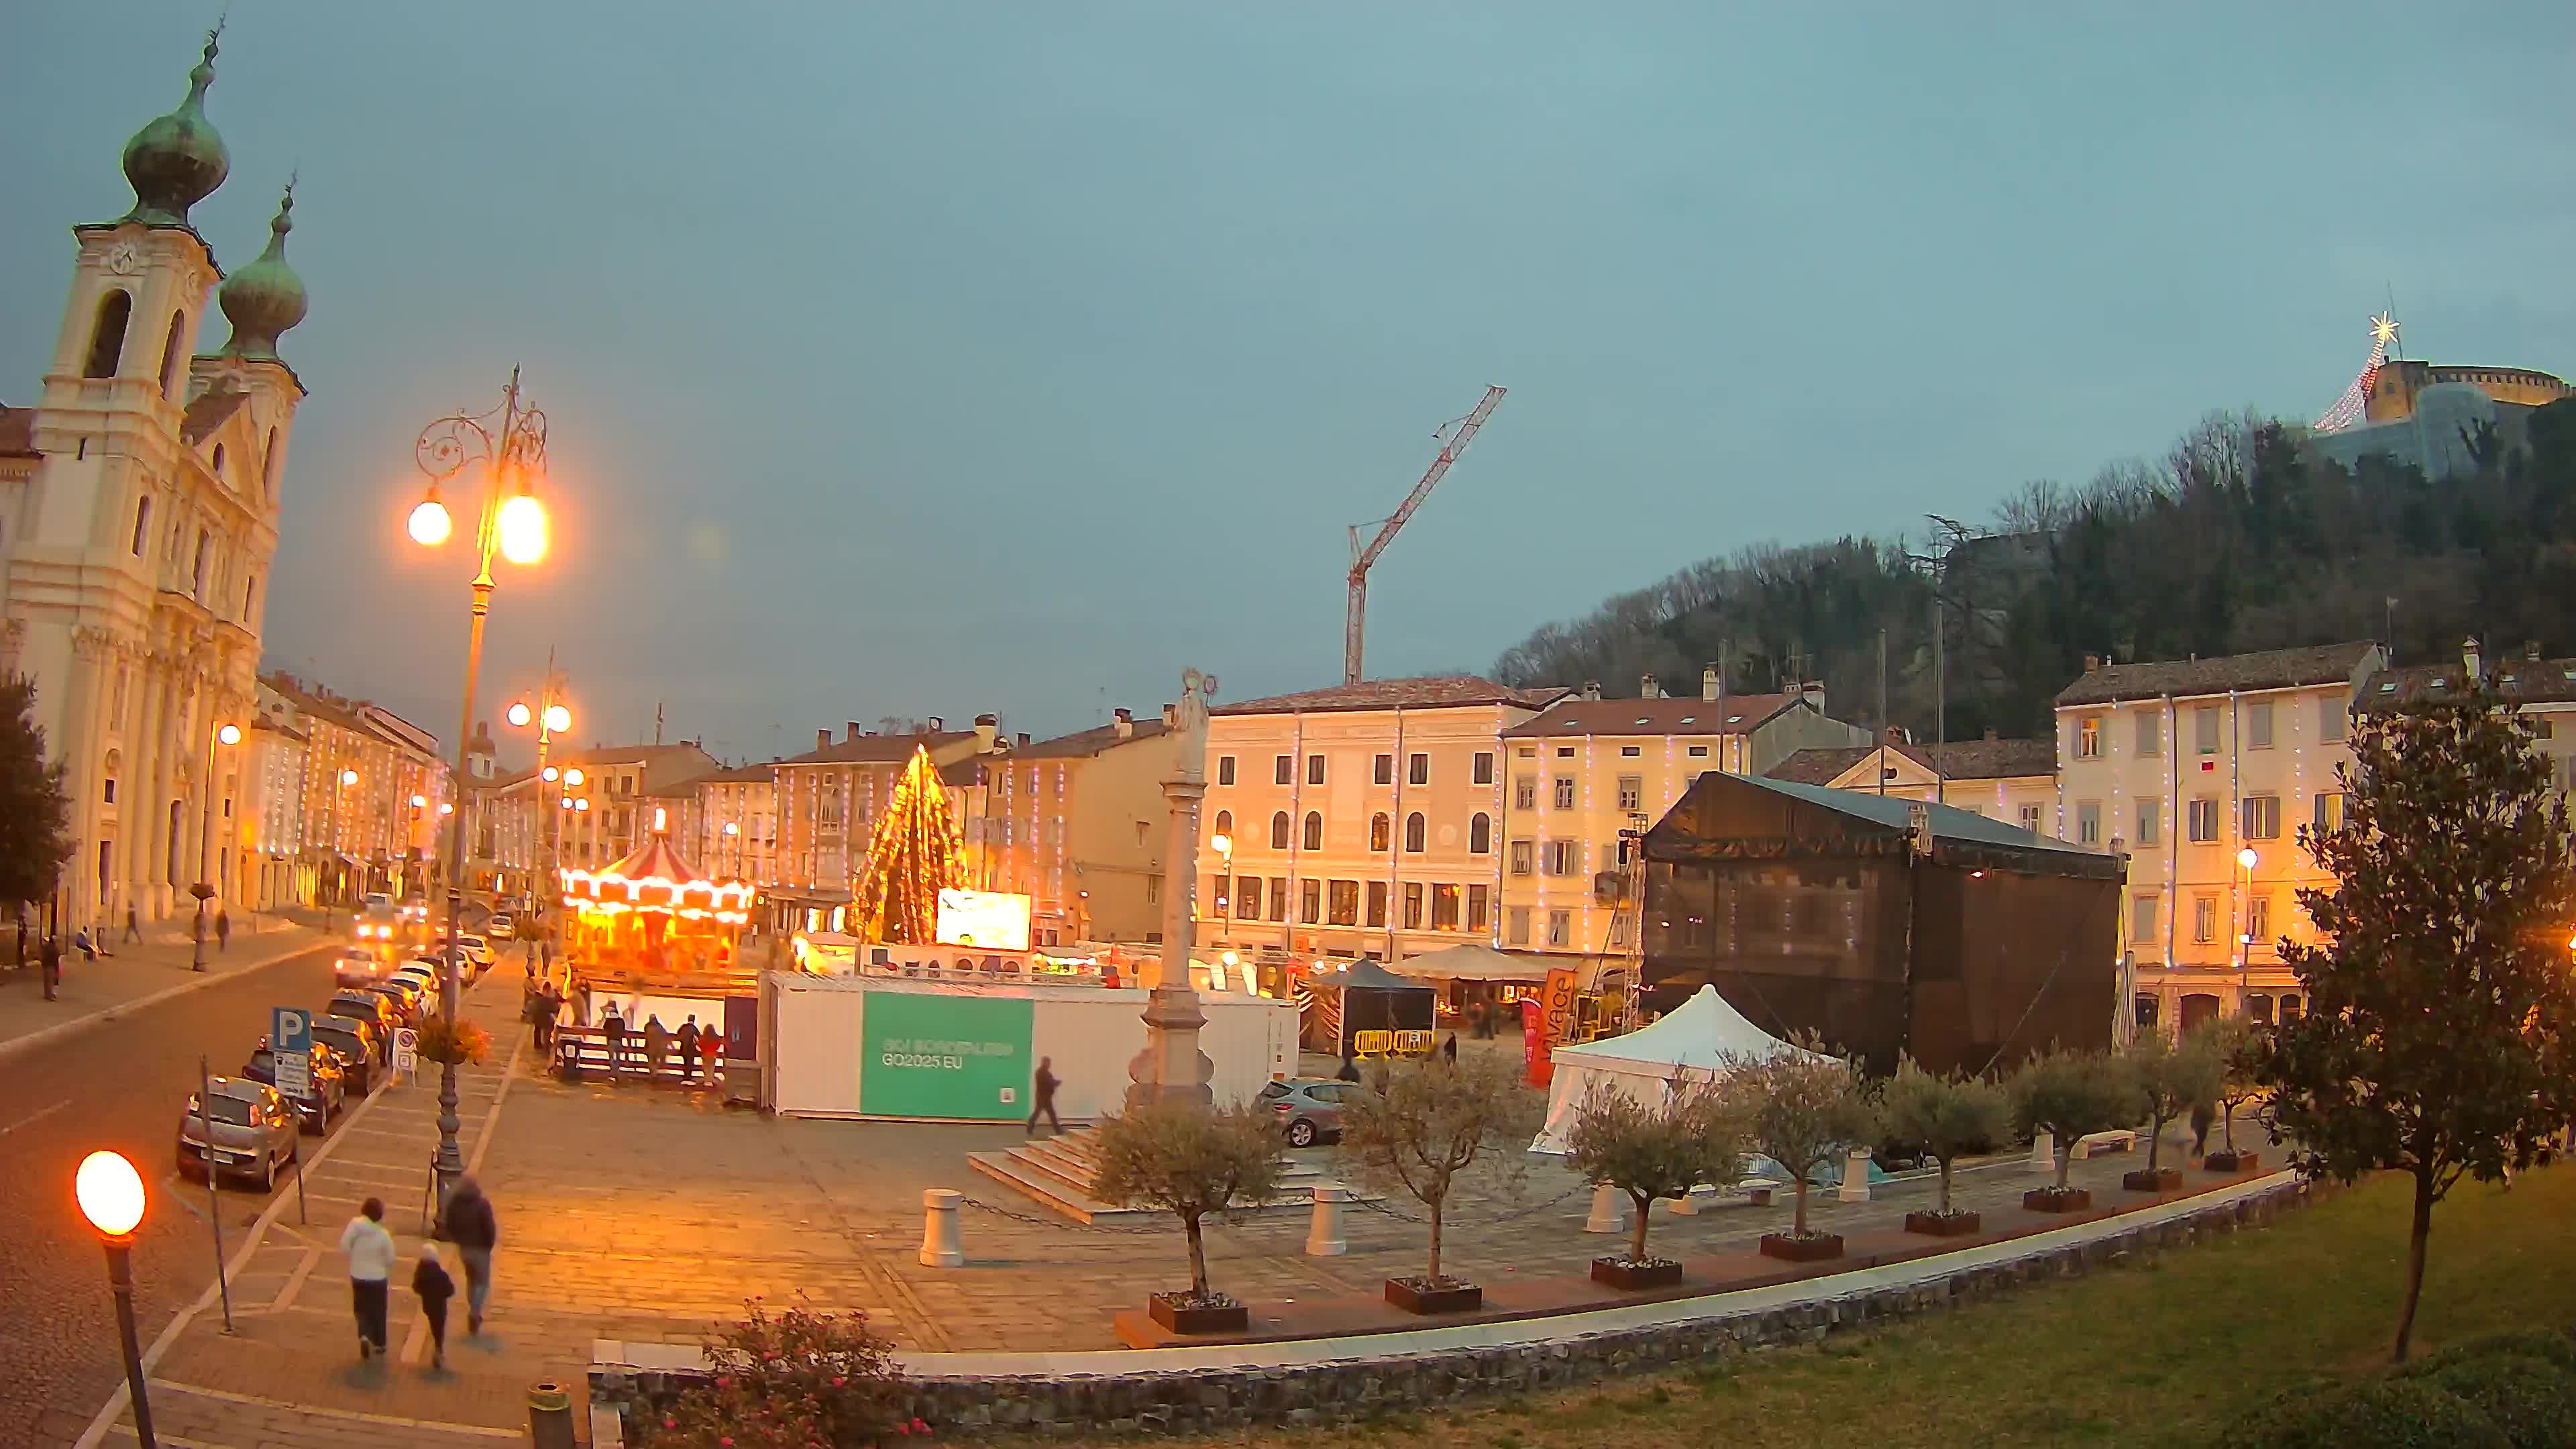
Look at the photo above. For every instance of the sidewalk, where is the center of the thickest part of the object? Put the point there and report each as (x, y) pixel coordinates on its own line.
(289, 1374)
(96, 991)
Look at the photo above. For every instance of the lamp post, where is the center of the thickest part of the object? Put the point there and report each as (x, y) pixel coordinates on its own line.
(225, 735)
(2245, 860)
(549, 714)
(110, 1193)
(1223, 844)
(513, 523)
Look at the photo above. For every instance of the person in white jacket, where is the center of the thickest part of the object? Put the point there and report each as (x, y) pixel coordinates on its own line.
(371, 1262)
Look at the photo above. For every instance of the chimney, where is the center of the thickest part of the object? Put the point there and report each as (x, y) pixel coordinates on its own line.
(1646, 688)
(1712, 685)
(936, 724)
(988, 727)
(1592, 689)
(1021, 740)
(1895, 734)
(822, 739)
(1814, 692)
(1124, 722)
(850, 728)
(1990, 733)
(2469, 658)
(2531, 650)
(2092, 662)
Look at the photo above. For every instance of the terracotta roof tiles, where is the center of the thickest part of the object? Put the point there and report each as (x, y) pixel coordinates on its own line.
(1438, 691)
(1734, 715)
(2267, 669)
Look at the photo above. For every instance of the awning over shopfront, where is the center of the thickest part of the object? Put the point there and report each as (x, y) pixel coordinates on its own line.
(1476, 962)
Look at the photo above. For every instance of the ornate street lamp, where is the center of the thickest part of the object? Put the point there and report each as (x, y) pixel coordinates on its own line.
(550, 717)
(110, 1193)
(225, 736)
(510, 444)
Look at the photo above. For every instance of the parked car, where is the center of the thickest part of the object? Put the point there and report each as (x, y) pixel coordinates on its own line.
(350, 1049)
(403, 997)
(313, 1110)
(365, 1006)
(478, 951)
(502, 927)
(239, 1127)
(423, 977)
(1309, 1108)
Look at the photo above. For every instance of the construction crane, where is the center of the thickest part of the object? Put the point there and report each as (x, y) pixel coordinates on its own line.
(1457, 435)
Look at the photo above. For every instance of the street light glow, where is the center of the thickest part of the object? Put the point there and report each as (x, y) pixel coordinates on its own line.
(582, 804)
(552, 774)
(420, 802)
(522, 529)
(1223, 844)
(348, 777)
(110, 1193)
(430, 524)
(520, 714)
(733, 829)
(558, 718)
(2245, 857)
(573, 775)
(228, 735)
(446, 807)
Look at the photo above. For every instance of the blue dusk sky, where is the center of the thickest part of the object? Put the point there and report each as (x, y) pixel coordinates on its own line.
(932, 359)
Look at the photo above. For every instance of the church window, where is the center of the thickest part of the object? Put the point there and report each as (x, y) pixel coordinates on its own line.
(268, 466)
(219, 462)
(250, 599)
(142, 524)
(107, 339)
(170, 356)
(197, 577)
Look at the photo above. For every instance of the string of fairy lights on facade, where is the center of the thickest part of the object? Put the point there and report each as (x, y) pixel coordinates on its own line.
(914, 855)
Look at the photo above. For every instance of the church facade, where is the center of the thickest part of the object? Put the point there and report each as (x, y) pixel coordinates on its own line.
(141, 499)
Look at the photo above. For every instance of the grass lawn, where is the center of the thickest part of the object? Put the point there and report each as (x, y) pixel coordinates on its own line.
(2167, 1352)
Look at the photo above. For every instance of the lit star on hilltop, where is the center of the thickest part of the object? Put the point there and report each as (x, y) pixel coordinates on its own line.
(2383, 329)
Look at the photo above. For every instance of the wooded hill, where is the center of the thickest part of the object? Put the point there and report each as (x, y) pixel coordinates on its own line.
(2240, 538)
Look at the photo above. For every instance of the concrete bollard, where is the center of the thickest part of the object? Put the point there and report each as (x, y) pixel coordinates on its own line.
(1324, 1229)
(939, 1245)
(549, 1416)
(2043, 1153)
(1688, 1205)
(1609, 1211)
(1855, 1186)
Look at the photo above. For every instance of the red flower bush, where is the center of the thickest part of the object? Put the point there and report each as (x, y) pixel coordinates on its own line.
(801, 1378)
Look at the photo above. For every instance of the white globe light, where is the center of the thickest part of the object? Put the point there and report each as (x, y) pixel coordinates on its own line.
(2246, 857)
(228, 735)
(110, 1193)
(552, 772)
(520, 715)
(558, 718)
(348, 777)
(522, 529)
(572, 776)
(429, 523)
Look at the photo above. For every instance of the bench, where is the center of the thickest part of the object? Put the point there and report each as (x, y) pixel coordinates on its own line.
(2119, 1139)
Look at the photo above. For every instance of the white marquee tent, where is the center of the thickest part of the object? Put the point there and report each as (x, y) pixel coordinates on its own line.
(1692, 1040)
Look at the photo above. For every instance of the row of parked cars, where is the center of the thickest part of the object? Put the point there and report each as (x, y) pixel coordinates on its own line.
(242, 1127)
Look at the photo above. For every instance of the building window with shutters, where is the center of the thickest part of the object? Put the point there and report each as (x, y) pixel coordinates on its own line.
(2329, 810)
(1525, 792)
(2333, 714)
(2150, 821)
(1225, 769)
(1560, 928)
(1382, 769)
(2204, 729)
(2258, 725)
(2088, 822)
(2258, 923)
(1516, 922)
(1520, 857)
(2204, 918)
(2142, 918)
(1484, 767)
(1314, 769)
(2088, 737)
(2262, 817)
(1565, 792)
(1417, 770)
(1632, 792)
(2204, 820)
(1283, 771)
(2151, 733)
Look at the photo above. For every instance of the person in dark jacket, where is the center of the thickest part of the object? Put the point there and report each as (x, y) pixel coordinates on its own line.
(50, 956)
(1350, 1071)
(688, 1040)
(2202, 1118)
(613, 1027)
(1449, 1048)
(474, 1230)
(1043, 1093)
(431, 1285)
(223, 929)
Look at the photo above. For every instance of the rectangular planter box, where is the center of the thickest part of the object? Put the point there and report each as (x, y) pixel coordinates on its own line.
(2155, 1179)
(1815, 1248)
(1168, 1310)
(1463, 1298)
(1662, 1273)
(2232, 1161)
(1941, 1225)
(2050, 1200)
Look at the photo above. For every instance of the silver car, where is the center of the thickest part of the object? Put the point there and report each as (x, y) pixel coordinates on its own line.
(1309, 1108)
(253, 1131)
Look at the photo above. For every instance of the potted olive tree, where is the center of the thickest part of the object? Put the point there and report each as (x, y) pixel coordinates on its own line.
(1802, 1108)
(1416, 1126)
(1695, 1135)
(1944, 1117)
(2070, 1095)
(2241, 1046)
(1190, 1162)
(2172, 1078)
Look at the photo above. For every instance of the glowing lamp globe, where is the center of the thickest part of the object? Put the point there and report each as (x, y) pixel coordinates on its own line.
(348, 777)
(228, 735)
(520, 714)
(430, 524)
(552, 773)
(558, 718)
(110, 1193)
(581, 804)
(1221, 844)
(2245, 857)
(420, 802)
(522, 530)
(446, 807)
(572, 776)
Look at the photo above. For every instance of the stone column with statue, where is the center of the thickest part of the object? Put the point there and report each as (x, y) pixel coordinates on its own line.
(1171, 1068)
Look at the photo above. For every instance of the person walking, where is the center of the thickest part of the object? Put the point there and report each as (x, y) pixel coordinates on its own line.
(431, 1285)
(711, 1044)
(688, 1040)
(2202, 1117)
(50, 957)
(613, 1027)
(1042, 1093)
(475, 1232)
(1449, 1048)
(370, 1250)
(133, 927)
(657, 1045)
(223, 929)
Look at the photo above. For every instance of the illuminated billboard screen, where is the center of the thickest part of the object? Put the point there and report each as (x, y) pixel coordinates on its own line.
(984, 918)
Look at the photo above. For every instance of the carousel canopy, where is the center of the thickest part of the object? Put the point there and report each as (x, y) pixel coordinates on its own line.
(655, 878)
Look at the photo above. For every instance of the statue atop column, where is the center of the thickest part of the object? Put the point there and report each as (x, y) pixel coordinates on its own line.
(1171, 1068)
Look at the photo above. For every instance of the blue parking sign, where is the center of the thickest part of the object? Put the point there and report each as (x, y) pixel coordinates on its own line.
(290, 1029)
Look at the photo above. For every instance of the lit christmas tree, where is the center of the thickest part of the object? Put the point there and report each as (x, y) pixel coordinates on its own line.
(912, 858)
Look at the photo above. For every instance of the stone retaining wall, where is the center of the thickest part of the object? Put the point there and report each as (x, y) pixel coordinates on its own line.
(1213, 1398)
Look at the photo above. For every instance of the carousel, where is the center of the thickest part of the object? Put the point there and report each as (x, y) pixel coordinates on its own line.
(650, 920)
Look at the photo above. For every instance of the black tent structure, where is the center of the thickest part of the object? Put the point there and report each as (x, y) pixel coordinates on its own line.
(1362, 1009)
(1882, 924)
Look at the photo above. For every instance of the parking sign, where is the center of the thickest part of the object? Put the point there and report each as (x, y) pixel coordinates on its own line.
(290, 1042)
(406, 1052)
